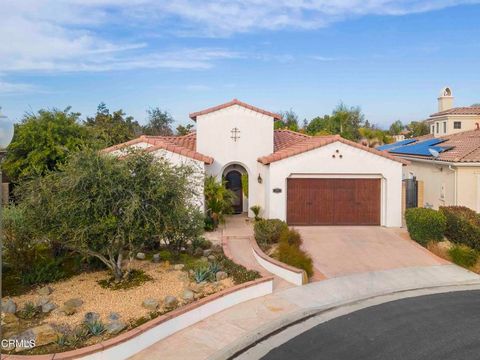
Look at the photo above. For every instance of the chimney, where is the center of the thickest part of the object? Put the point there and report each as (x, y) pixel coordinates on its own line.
(445, 100)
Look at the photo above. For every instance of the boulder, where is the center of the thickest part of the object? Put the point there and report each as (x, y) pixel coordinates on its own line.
(178, 266)
(37, 336)
(188, 295)
(10, 325)
(207, 252)
(141, 256)
(114, 327)
(211, 258)
(45, 291)
(156, 258)
(75, 302)
(113, 316)
(49, 306)
(9, 306)
(221, 275)
(91, 317)
(150, 304)
(170, 302)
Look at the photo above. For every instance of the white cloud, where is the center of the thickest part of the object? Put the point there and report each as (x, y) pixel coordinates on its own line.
(9, 88)
(101, 35)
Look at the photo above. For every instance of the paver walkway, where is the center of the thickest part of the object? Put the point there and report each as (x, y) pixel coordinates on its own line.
(209, 338)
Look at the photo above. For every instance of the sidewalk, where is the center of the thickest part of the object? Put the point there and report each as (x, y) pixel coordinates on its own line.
(215, 337)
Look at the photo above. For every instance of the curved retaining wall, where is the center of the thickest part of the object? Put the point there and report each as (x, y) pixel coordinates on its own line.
(286, 272)
(127, 344)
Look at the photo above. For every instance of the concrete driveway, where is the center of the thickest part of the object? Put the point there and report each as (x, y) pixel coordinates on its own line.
(343, 250)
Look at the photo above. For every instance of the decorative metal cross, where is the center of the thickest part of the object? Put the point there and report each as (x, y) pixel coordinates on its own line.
(235, 133)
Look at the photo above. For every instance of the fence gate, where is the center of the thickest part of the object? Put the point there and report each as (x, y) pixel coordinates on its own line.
(411, 192)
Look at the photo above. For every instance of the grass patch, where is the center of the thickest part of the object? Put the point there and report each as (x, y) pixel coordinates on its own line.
(133, 279)
(463, 256)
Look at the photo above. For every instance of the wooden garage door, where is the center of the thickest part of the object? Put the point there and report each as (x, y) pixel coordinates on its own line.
(333, 201)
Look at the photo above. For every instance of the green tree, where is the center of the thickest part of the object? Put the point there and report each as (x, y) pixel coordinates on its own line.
(103, 207)
(374, 136)
(321, 126)
(159, 123)
(396, 128)
(289, 121)
(112, 128)
(184, 130)
(42, 141)
(417, 128)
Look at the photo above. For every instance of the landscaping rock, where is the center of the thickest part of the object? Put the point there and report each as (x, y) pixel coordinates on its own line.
(113, 316)
(204, 259)
(207, 252)
(156, 258)
(221, 275)
(45, 291)
(211, 258)
(178, 266)
(141, 256)
(197, 288)
(74, 303)
(42, 300)
(49, 306)
(188, 295)
(10, 325)
(170, 302)
(115, 327)
(91, 317)
(198, 252)
(445, 245)
(41, 335)
(9, 306)
(150, 304)
(68, 310)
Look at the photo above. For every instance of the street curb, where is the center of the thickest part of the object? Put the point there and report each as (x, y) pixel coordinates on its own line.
(276, 326)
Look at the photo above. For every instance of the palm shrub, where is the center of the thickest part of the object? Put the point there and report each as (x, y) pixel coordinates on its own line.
(108, 208)
(256, 211)
(462, 225)
(218, 200)
(425, 224)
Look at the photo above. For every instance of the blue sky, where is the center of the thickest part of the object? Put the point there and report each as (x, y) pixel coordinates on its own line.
(390, 57)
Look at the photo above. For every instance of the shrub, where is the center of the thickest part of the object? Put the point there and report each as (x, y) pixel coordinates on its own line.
(218, 201)
(425, 224)
(44, 271)
(463, 225)
(29, 311)
(463, 255)
(132, 279)
(294, 256)
(267, 231)
(238, 273)
(256, 211)
(165, 255)
(291, 236)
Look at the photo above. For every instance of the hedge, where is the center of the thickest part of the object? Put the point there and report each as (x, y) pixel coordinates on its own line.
(267, 231)
(425, 224)
(462, 225)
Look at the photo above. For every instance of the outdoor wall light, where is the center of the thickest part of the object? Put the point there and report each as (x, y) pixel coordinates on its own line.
(259, 179)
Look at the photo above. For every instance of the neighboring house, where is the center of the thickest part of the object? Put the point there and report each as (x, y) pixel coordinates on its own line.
(447, 166)
(305, 180)
(451, 120)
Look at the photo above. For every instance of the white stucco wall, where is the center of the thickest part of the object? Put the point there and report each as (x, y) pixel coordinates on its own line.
(256, 140)
(354, 163)
(468, 122)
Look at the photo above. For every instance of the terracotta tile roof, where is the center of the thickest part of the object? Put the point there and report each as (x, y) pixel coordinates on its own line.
(283, 138)
(308, 143)
(464, 148)
(182, 145)
(467, 110)
(194, 115)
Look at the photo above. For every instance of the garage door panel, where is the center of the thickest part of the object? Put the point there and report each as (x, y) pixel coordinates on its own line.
(333, 201)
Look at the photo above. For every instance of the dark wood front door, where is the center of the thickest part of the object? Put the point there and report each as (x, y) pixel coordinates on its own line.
(333, 201)
(234, 183)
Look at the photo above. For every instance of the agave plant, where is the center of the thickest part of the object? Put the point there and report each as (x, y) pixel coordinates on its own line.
(201, 274)
(95, 328)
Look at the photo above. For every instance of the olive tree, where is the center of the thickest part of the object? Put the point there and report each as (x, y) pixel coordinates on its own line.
(106, 207)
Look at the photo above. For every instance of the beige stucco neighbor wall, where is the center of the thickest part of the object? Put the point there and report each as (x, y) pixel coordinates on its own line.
(468, 122)
(354, 163)
(444, 185)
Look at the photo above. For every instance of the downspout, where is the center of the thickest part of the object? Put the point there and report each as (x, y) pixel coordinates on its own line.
(454, 184)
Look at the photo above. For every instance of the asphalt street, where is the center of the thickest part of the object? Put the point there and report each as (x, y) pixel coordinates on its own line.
(441, 326)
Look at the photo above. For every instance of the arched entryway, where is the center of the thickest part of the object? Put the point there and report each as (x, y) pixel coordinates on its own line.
(234, 183)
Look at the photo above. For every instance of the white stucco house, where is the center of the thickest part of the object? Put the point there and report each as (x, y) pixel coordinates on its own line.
(304, 180)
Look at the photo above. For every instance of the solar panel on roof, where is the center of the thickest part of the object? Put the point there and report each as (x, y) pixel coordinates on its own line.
(396, 144)
(421, 148)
